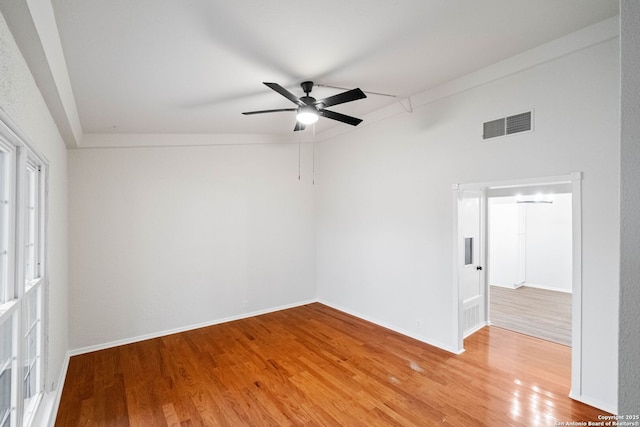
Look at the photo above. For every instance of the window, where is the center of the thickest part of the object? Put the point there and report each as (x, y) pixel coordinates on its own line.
(22, 279)
(7, 358)
(468, 250)
(5, 293)
(31, 216)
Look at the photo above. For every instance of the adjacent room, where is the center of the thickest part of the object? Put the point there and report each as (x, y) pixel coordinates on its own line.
(253, 213)
(530, 267)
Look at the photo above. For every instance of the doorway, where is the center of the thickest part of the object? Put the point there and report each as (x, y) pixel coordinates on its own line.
(529, 261)
(464, 313)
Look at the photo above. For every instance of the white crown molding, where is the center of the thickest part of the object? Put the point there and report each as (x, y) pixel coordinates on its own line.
(590, 36)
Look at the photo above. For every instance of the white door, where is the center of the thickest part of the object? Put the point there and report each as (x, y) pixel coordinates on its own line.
(470, 259)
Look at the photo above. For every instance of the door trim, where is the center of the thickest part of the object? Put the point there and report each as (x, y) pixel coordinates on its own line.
(575, 180)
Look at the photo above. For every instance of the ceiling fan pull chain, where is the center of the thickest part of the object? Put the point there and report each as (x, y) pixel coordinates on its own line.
(298, 157)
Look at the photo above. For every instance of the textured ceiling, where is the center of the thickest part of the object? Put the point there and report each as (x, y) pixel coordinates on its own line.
(192, 66)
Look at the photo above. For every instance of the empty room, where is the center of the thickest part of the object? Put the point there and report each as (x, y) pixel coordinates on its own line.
(530, 267)
(280, 213)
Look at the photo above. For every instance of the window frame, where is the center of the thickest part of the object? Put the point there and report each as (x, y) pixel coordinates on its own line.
(21, 159)
(8, 281)
(29, 287)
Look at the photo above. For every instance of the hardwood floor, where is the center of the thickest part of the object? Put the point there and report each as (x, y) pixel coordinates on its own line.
(537, 312)
(313, 365)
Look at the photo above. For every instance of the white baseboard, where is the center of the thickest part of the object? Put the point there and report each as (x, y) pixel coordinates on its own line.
(125, 341)
(513, 286)
(393, 328)
(58, 391)
(477, 328)
(116, 343)
(48, 408)
(548, 288)
(608, 407)
(533, 285)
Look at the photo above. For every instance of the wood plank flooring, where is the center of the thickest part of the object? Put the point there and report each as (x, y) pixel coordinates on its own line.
(537, 312)
(315, 366)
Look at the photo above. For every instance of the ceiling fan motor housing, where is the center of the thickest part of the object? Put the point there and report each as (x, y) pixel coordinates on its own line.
(306, 87)
(309, 100)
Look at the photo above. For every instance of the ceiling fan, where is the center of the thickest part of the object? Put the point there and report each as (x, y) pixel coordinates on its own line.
(309, 109)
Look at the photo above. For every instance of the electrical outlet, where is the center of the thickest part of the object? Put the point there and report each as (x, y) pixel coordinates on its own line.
(418, 323)
(244, 303)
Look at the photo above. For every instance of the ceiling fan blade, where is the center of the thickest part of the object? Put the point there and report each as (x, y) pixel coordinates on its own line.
(299, 126)
(340, 117)
(341, 98)
(269, 111)
(282, 91)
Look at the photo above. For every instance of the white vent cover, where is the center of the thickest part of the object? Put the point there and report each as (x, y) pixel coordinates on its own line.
(471, 318)
(507, 125)
(471, 312)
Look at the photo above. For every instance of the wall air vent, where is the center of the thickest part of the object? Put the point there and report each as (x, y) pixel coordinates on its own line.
(494, 128)
(507, 125)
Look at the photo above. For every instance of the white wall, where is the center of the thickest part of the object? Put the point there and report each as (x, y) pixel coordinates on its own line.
(546, 230)
(504, 250)
(548, 244)
(169, 237)
(630, 210)
(21, 99)
(385, 202)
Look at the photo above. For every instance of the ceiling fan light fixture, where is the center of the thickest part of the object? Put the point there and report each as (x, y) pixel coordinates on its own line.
(307, 115)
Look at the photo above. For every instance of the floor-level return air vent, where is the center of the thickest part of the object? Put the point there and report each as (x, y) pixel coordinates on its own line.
(471, 315)
(507, 125)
